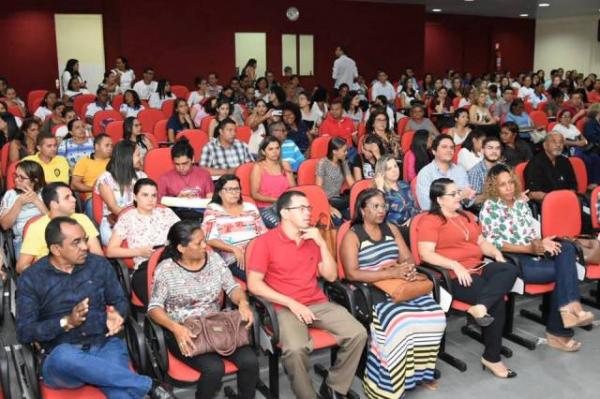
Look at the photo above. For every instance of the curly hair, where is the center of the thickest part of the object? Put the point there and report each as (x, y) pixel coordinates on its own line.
(490, 186)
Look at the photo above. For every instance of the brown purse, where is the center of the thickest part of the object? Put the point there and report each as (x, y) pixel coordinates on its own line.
(220, 332)
(403, 290)
(590, 247)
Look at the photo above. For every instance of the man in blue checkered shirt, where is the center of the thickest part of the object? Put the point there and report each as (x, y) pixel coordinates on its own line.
(492, 153)
(223, 154)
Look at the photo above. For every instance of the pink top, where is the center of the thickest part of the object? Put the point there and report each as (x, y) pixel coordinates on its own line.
(272, 186)
(410, 160)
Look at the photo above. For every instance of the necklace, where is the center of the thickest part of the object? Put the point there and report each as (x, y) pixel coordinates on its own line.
(463, 229)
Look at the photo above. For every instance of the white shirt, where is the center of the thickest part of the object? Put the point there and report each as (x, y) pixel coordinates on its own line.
(195, 98)
(64, 81)
(526, 92)
(71, 93)
(390, 115)
(93, 108)
(144, 90)
(344, 71)
(42, 113)
(157, 102)
(128, 111)
(570, 133)
(127, 78)
(467, 159)
(535, 100)
(386, 89)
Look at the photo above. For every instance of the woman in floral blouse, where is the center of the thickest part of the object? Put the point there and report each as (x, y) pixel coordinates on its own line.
(507, 222)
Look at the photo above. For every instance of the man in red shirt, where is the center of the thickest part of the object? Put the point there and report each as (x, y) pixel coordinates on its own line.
(336, 124)
(283, 268)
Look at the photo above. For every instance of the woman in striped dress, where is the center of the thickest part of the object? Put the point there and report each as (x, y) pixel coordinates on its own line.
(405, 337)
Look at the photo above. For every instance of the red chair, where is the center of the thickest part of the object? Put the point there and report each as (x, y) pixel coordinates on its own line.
(520, 172)
(117, 101)
(528, 107)
(580, 124)
(318, 147)
(160, 130)
(103, 118)
(80, 100)
(455, 102)
(580, 174)
(413, 190)
(243, 173)
(595, 211)
(152, 139)
(243, 133)
(406, 140)
(457, 149)
(402, 125)
(307, 171)
(197, 139)
(167, 108)
(10, 179)
(4, 154)
(180, 91)
(551, 126)
(148, 118)
(539, 119)
(321, 213)
(157, 162)
(115, 131)
(32, 98)
(561, 217)
(205, 124)
(16, 111)
(355, 190)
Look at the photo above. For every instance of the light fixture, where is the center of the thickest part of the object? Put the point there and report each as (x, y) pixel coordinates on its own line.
(544, 5)
(292, 14)
(469, 1)
(437, 10)
(523, 15)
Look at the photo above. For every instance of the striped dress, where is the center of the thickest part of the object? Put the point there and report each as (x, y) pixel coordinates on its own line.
(405, 337)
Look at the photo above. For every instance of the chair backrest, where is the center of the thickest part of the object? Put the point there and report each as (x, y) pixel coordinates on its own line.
(406, 140)
(338, 245)
(455, 102)
(148, 118)
(197, 139)
(167, 108)
(580, 124)
(402, 125)
(580, 174)
(414, 236)
(205, 124)
(152, 139)
(539, 119)
(31, 220)
(103, 118)
(4, 154)
(561, 214)
(318, 147)
(10, 180)
(321, 213)
(307, 171)
(15, 111)
(160, 130)
(405, 167)
(413, 190)
(115, 131)
(355, 190)
(151, 270)
(80, 100)
(520, 172)
(180, 91)
(551, 126)
(243, 173)
(97, 205)
(32, 98)
(243, 133)
(528, 107)
(457, 149)
(594, 204)
(157, 162)
(117, 101)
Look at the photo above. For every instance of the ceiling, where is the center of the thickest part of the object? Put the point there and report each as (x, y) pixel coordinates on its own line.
(510, 8)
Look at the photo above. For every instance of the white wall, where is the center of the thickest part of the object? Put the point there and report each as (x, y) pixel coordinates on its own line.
(570, 43)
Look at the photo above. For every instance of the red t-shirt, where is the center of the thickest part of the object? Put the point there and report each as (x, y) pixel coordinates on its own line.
(288, 268)
(198, 182)
(342, 128)
(450, 238)
(593, 96)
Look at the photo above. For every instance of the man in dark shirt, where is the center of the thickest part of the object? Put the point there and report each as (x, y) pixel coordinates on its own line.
(72, 304)
(549, 170)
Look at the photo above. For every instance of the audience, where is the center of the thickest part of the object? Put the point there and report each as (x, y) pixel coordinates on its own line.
(332, 172)
(132, 131)
(574, 140)
(383, 87)
(514, 150)
(295, 252)
(289, 150)
(46, 106)
(418, 121)
(338, 125)
(419, 154)
(56, 167)
(162, 94)
(132, 104)
(271, 176)
(180, 120)
(71, 71)
(352, 109)
(344, 68)
(372, 149)
(492, 153)
(518, 115)
(102, 103)
(591, 154)
(461, 128)
(374, 250)
(378, 125)
(224, 153)
(470, 152)
(451, 239)
(78, 145)
(125, 74)
(297, 129)
(257, 121)
(59, 201)
(145, 87)
(24, 142)
(223, 111)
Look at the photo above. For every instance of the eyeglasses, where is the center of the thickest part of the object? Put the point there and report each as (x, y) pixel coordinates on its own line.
(380, 120)
(20, 177)
(137, 125)
(456, 193)
(231, 189)
(377, 207)
(303, 208)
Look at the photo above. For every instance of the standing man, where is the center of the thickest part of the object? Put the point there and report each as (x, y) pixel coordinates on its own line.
(344, 68)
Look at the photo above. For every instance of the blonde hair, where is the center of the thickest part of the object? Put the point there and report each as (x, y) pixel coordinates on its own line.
(381, 168)
(490, 186)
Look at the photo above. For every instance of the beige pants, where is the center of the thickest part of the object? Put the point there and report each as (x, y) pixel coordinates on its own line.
(296, 345)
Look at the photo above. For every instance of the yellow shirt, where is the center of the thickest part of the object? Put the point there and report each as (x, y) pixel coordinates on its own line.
(89, 170)
(55, 170)
(34, 242)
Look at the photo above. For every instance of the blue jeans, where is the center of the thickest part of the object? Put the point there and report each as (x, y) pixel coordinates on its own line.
(104, 366)
(560, 269)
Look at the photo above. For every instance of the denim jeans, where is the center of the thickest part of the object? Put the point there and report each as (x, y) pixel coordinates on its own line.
(562, 270)
(105, 366)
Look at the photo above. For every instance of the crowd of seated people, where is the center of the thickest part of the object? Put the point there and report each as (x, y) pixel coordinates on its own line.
(78, 196)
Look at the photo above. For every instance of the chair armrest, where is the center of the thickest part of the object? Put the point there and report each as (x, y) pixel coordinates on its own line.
(431, 275)
(136, 345)
(341, 294)
(267, 317)
(122, 275)
(27, 363)
(440, 273)
(157, 348)
(513, 258)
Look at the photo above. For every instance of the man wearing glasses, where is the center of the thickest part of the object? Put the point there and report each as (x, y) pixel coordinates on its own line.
(283, 268)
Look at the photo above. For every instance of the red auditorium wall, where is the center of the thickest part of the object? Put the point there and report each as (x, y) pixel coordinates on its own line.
(466, 43)
(181, 39)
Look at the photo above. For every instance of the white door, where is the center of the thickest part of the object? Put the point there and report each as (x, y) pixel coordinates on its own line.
(251, 45)
(81, 36)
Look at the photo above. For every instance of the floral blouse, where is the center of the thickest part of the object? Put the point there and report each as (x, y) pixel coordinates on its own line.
(402, 204)
(503, 224)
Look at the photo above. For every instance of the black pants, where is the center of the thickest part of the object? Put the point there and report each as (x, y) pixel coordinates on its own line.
(489, 289)
(139, 282)
(213, 369)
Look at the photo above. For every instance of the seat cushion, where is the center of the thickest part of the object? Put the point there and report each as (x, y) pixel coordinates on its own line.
(537, 289)
(182, 372)
(592, 272)
(86, 391)
(460, 305)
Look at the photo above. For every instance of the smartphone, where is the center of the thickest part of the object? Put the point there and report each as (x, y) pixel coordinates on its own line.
(277, 112)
